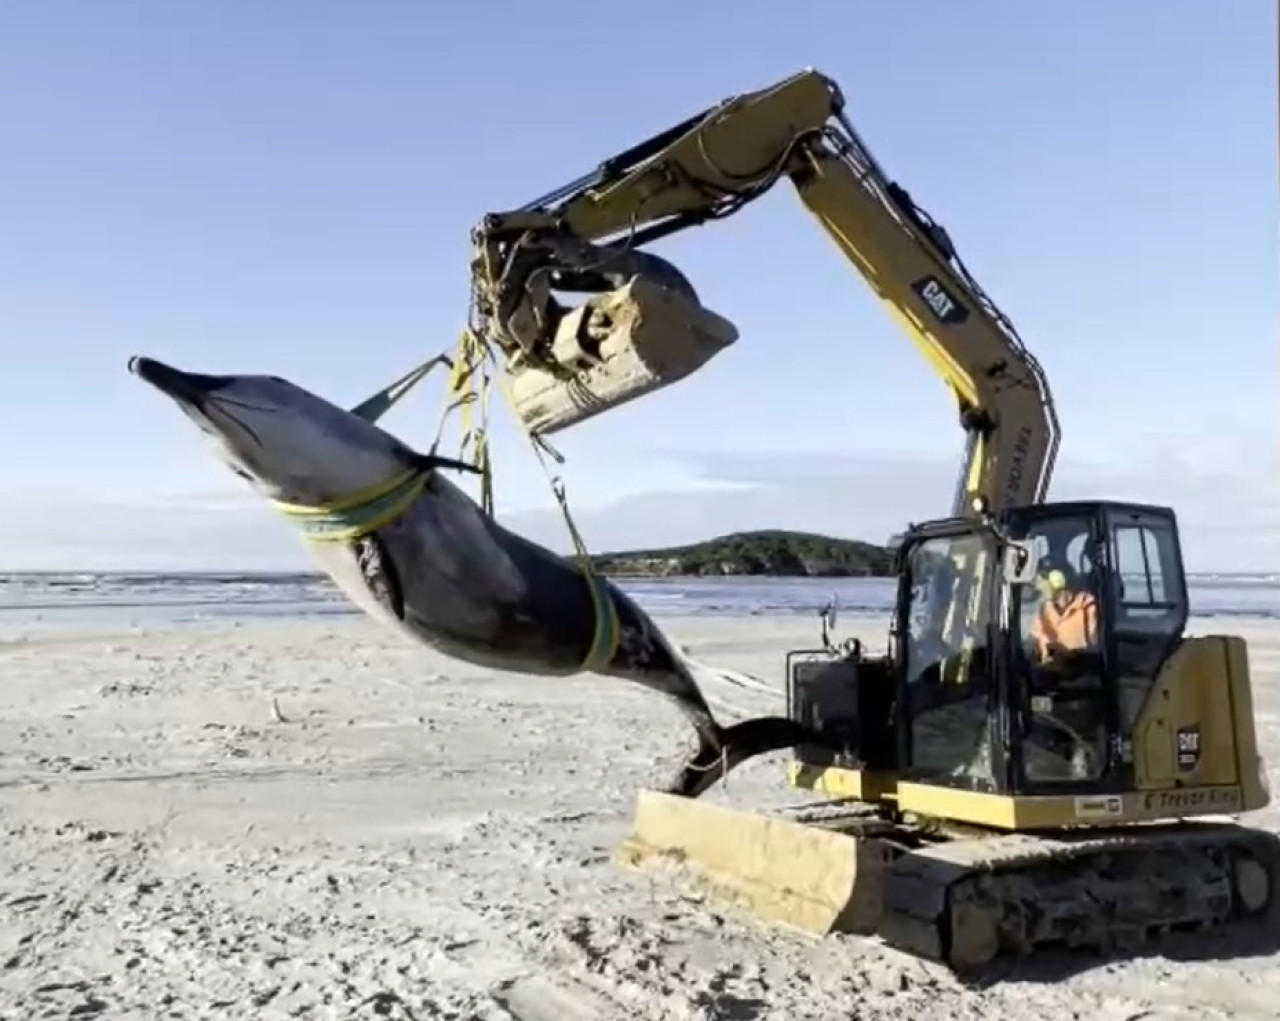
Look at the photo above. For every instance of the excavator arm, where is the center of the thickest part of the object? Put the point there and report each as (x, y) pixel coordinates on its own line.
(589, 237)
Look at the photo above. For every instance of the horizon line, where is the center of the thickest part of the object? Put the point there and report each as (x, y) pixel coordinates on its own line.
(320, 574)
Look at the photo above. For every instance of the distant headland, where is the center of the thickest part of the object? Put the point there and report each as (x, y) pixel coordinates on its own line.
(771, 553)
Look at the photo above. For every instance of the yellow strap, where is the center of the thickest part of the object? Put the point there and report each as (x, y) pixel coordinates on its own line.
(604, 642)
(367, 510)
(470, 361)
(359, 514)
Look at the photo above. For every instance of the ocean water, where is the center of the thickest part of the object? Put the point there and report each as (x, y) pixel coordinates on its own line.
(108, 599)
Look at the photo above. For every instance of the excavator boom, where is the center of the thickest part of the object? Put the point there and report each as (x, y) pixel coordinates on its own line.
(589, 235)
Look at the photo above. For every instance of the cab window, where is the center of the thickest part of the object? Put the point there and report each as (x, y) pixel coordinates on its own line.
(1142, 551)
(1057, 655)
(948, 660)
(1149, 604)
(1065, 553)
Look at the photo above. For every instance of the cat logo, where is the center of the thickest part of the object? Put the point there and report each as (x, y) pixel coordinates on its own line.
(1188, 747)
(1099, 806)
(942, 303)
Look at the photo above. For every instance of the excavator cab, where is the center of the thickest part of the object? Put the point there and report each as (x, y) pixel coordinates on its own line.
(1013, 675)
(1024, 656)
(1003, 684)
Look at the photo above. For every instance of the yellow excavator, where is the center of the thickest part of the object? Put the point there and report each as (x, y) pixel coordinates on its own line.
(1040, 755)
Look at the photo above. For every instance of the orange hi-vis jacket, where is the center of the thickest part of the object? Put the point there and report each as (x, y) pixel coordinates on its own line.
(1074, 626)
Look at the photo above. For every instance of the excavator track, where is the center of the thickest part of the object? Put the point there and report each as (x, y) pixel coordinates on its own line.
(964, 903)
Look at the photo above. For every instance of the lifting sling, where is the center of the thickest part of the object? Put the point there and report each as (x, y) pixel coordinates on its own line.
(361, 513)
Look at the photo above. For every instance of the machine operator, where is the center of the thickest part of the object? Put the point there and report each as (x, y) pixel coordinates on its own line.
(1067, 620)
(1066, 625)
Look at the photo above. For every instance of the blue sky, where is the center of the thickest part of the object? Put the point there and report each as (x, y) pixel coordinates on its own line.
(288, 188)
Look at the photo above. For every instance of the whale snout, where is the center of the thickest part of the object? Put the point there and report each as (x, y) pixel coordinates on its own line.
(183, 386)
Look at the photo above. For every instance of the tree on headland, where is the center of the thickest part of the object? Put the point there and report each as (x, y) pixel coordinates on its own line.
(774, 552)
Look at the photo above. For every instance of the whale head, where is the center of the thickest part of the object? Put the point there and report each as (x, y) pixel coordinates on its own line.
(290, 445)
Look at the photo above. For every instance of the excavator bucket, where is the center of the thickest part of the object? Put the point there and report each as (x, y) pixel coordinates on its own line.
(807, 875)
(615, 347)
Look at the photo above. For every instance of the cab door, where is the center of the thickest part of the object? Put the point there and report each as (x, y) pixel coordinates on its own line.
(1148, 605)
(945, 645)
(1062, 702)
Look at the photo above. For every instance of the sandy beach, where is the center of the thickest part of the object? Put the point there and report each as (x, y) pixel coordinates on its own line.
(313, 819)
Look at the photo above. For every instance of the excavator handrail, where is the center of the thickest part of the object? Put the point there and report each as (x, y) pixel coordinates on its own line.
(713, 164)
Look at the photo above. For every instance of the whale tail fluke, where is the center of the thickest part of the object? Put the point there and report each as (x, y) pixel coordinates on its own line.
(726, 748)
(721, 748)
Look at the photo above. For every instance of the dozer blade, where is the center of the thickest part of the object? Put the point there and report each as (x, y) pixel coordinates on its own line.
(811, 877)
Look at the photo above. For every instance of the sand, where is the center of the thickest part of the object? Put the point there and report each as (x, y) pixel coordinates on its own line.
(315, 820)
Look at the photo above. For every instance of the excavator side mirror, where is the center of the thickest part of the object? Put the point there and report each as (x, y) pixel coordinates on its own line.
(829, 614)
(1021, 561)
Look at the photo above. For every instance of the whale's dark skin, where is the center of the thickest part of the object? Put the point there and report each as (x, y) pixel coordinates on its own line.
(444, 572)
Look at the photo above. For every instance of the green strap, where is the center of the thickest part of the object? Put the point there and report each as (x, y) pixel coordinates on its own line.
(359, 514)
(362, 513)
(373, 408)
(607, 633)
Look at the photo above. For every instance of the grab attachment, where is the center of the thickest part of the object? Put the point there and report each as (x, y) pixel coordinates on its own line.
(640, 329)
